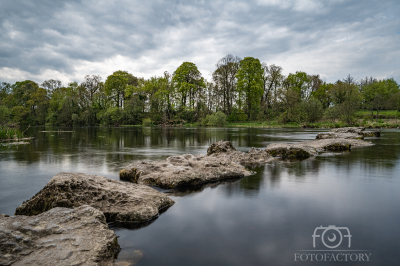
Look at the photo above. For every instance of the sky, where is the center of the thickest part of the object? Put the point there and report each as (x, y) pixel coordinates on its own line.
(66, 40)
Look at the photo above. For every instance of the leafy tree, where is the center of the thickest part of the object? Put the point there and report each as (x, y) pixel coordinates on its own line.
(250, 85)
(117, 84)
(188, 84)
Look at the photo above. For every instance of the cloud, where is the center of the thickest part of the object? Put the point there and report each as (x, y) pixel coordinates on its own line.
(67, 40)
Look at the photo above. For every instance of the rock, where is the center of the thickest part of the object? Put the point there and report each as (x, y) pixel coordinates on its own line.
(183, 170)
(220, 147)
(357, 130)
(333, 144)
(119, 201)
(340, 135)
(295, 150)
(59, 236)
(225, 150)
(376, 133)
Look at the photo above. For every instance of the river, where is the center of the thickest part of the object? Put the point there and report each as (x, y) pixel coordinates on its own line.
(264, 219)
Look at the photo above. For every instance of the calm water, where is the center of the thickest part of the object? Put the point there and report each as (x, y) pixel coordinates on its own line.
(263, 219)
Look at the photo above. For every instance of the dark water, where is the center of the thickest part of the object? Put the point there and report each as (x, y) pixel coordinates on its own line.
(263, 219)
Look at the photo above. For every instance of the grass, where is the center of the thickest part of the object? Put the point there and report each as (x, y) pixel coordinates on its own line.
(7, 133)
(384, 114)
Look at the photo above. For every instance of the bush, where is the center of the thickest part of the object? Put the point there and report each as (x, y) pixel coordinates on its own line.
(242, 117)
(311, 110)
(215, 119)
(5, 114)
(146, 122)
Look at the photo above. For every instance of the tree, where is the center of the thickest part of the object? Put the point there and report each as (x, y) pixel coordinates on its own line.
(188, 84)
(117, 84)
(51, 85)
(250, 85)
(225, 79)
(272, 79)
(91, 85)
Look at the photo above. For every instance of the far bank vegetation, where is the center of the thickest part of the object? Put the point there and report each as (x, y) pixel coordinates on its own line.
(239, 91)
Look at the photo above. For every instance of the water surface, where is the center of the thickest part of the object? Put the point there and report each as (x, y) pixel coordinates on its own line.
(263, 219)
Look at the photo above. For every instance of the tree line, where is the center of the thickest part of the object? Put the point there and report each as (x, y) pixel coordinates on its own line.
(239, 90)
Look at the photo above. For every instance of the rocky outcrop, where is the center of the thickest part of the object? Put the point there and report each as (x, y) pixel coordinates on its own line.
(356, 130)
(119, 201)
(339, 135)
(348, 133)
(220, 147)
(59, 236)
(225, 151)
(183, 170)
(339, 139)
(367, 134)
(295, 150)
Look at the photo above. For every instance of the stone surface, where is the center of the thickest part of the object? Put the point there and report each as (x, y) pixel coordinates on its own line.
(225, 151)
(294, 150)
(366, 134)
(339, 135)
(220, 147)
(119, 201)
(59, 236)
(348, 130)
(183, 170)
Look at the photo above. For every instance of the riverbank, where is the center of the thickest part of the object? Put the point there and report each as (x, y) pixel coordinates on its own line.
(382, 123)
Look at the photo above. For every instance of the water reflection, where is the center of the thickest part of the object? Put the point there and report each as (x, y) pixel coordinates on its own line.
(257, 220)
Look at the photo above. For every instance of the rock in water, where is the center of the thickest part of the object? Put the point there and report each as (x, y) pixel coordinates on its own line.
(59, 236)
(220, 147)
(357, 130)
(225, 151)
(339, 135)
(119, 201)
(295, 150)
(182, 170)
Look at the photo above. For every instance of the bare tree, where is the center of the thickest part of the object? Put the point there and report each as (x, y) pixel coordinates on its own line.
(51, 85)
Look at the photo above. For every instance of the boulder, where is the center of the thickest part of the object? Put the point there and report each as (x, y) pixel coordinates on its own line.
(225, 151)
(59, 236)
(295, 150)
(220, 147)
(183, 170)
(367, 134)
(119, 201)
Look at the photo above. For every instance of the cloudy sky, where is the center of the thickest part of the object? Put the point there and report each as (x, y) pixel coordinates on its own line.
(66, 40)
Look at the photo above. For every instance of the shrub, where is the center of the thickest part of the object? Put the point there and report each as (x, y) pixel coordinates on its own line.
(146, 122)
(311, 110)
(215, 119)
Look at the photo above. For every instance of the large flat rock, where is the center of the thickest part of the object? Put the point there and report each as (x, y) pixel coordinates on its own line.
(59, 236)
(119, 201)
(183, 170)
(339, 135)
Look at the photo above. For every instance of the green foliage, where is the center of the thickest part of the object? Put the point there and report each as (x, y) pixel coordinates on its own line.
(10, 133)
(146, 122)
(5, 114)
(215, 119)
(188, 84)
(311, 110)
(250, 85)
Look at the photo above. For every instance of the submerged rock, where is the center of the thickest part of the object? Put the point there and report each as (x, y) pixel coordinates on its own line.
(119, 201)
(183, 170)
(295, 150)
(59, 236)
